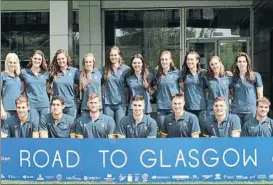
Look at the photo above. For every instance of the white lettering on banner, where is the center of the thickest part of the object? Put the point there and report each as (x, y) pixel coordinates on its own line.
(237, 155)
(250, 158)
(161, 161)
(103, 157)
(215, 159)
(194, 158)
(153, 159)
(125, 159)
(180, 157)
(25, 156)
(57, 158)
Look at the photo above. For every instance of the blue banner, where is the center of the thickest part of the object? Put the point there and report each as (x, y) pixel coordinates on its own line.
(138, 160)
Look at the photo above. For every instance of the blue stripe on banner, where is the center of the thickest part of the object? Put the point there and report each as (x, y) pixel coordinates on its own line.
(138, 160)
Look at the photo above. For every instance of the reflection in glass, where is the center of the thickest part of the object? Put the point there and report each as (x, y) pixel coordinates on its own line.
(217, 22)
(144, 31)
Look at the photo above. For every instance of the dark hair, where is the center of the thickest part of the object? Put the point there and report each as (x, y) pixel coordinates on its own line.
(249, 73)
(138, 98)
(57, 98)
(178, 95)
(108, 63)
(54, 67)
(219, 98)
(185, 66)
(160, 69)
(144, 70)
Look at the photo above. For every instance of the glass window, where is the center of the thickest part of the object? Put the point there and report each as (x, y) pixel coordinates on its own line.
(144, 31)
(217, 22)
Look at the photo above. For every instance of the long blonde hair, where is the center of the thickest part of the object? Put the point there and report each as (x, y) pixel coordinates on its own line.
(84, 78)
(13, 56)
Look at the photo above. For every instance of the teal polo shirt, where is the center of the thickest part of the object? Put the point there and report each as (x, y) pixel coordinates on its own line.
(135, 85)
(62, 129)
(35, 87)
(14, 129)
(10, 90)
(64, 86)
(167, 87)
(128, 128)
(184, 127)
(194, 90)
(252, 128)
(245, 94)
(218, 87)
(114, 89)
(230, 123)
(99, 128)
(94, 86)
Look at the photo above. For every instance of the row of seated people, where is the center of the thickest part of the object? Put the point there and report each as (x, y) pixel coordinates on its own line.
(179, 123)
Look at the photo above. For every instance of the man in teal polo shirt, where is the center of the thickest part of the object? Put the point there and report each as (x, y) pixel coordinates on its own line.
(23, 124)
(180, 123)
(260, 125)
(137, 125)
(222, 124)
(57, 124)
(96, 124)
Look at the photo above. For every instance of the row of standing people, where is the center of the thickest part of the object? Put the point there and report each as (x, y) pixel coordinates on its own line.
(95, 124)
(116, 83)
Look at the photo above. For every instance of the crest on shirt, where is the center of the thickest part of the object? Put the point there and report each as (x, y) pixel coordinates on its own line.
(95, 77)
(145, 127)
(69, 74)
(170, 123)
(184, 124)
(171, 76)
(102, 125)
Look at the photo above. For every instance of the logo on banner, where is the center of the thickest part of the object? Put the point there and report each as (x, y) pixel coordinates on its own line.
(59, 177)
(144, 177)
(5, 159)
(28, 177)
(74, 178)
(40, 178)
(2, 176)
(122, 177)
(217, 176)
(206, 177)
(86, 178)
(180, 177)
(241, 177)
(109, 177)
(129, 177)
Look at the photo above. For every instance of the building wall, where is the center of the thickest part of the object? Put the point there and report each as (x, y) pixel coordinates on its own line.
(263, 37)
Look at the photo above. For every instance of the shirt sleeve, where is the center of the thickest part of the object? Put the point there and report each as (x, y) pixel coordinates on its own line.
(71, 125)
(236, 126)
(182, 76)
(78, 127)
(6, 127)
(43, 123)
(153, 129)
(111, 126)
(244, 132)
(195, 125)
(259, 82)
(21, 75)
(164, 130)
(35, 124)
(120, 130)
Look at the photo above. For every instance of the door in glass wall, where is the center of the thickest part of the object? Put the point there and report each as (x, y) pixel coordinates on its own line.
(147, 32)
(229, 49)
(205, 50)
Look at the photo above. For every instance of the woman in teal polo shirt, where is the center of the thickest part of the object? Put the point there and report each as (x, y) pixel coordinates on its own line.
(166, 83)
(247, 88)
(34, 78)
(64, 80)
(114, 73)
(90, 81)
(10, 86)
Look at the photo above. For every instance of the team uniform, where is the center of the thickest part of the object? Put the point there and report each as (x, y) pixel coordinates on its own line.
(167, 87)
(35, 89)
(253, 128)
(128, 128)
(245, 96)
(10, 90)
(114, 93)
(13, 128)
(135, 85)
(94, 86)
(64, 87)
(218, 87)
(194, 92)
(103, 127)
(230, 123)
(62, 129)
(184, 127)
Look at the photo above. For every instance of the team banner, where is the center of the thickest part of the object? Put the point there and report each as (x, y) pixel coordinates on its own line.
(138, 160)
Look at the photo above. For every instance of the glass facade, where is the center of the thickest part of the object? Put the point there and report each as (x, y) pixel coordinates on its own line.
(23, 32)
(144, 31)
